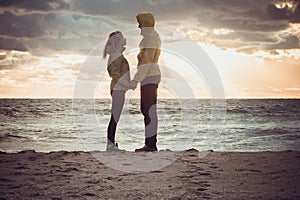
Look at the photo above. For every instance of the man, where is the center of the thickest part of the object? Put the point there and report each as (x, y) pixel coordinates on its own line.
(149, 76)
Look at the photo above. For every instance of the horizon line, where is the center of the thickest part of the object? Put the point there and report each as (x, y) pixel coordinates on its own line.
(205, 98)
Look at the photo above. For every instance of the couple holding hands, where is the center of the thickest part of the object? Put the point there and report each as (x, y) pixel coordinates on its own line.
(148, 74)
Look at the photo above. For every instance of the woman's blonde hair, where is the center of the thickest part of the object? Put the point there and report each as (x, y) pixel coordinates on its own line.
(113, 41)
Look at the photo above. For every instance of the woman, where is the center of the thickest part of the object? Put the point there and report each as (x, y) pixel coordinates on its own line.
(118, 69)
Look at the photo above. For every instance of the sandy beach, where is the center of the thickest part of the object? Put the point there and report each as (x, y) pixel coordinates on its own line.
(219, 175)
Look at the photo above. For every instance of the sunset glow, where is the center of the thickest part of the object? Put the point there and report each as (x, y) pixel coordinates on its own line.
(254, 45)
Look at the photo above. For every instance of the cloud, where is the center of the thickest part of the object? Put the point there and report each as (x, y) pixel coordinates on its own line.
(33, 6)
(12, 44)
(46, 33)
(65, 25)
(295, 18)
(285, 10)
(22, 26)
(287, 41)
(3, 55)
(277, 13)
(53, 25)
(37, 36)
(246, 36)
(45, 46)
(253, 24)
(14, 60)
(292, 89)
(218, 20)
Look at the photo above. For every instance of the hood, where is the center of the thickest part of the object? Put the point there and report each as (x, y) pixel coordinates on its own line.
(146, 19)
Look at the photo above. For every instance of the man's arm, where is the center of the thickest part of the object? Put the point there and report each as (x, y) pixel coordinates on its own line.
(145, 61)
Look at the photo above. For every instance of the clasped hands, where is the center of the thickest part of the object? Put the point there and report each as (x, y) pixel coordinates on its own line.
(132, 85)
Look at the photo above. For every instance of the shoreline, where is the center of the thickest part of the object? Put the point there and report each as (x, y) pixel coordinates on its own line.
(159, 150)
(219, 175)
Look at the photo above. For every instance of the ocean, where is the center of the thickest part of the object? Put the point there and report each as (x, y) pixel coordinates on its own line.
(251, 125)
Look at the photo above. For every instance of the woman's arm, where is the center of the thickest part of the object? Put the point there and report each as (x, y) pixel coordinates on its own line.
(114, 70)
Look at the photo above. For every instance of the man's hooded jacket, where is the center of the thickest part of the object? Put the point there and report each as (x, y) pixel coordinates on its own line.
(148, 69)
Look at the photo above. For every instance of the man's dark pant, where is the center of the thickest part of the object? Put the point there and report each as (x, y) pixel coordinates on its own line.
(118, 98)
(148, 109)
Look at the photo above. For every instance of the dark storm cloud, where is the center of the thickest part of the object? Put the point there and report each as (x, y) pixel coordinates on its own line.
(256, 24)
(207, 19)
(285, 13)
(249, 15)
(287, 42)
(13, 44)
(22, 26)
(52, 32)
(276, 13)
(163, 9)
(296, 14)
(21, 6)
(52, 25)
(75, 25)
(126, 10)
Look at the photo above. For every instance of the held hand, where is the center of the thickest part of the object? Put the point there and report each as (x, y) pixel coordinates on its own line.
(132, 85)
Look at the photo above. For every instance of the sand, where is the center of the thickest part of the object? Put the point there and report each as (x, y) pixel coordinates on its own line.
(219, 175)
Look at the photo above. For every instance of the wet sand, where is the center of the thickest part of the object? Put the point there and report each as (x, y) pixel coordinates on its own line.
(219, 175)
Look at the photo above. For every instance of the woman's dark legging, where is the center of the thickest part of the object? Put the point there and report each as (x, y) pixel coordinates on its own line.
(148, 109)
(118, 98)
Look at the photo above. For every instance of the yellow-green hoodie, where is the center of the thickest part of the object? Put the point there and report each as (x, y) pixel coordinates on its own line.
(148, 69)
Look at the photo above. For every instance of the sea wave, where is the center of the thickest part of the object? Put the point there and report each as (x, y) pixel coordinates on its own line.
(237, 111)
(9, 137)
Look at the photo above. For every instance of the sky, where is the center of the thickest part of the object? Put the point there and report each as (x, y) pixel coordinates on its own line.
(254, 44)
